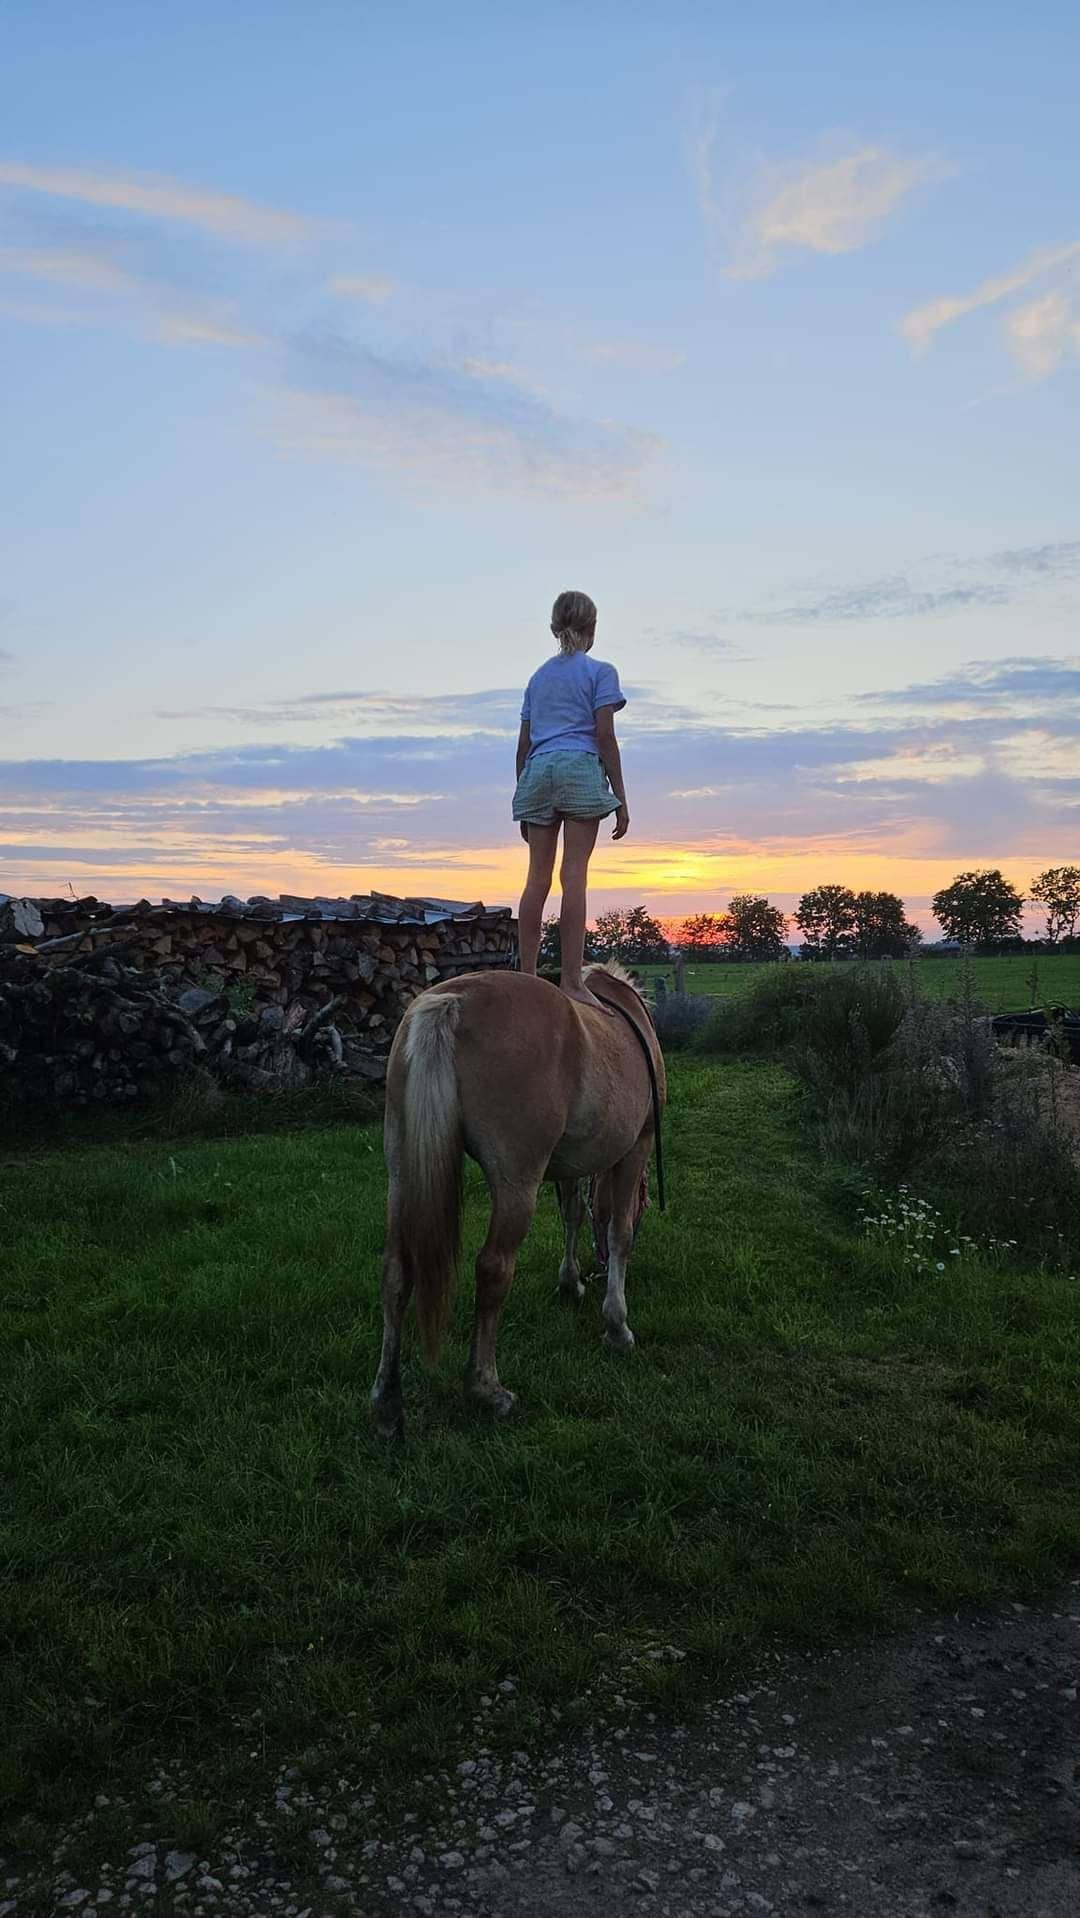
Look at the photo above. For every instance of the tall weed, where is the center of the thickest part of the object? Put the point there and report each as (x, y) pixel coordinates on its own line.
(839, 1013)
(906, 1088)
(679, 1018)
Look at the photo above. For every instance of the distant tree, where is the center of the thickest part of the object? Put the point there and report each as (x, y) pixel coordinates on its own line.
(706, 935)
(645, 937)
(550, 959)
(551, 946)
(608, 933)
(881, 930)
(756, 929)
(1057, 890)
(630, 934)
(826, 918)
(980, 908)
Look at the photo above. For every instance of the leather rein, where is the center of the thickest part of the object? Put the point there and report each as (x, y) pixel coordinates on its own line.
(658, 1138)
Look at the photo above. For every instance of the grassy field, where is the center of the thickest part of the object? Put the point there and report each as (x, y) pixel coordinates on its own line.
(1002, 985)
(203, 1553)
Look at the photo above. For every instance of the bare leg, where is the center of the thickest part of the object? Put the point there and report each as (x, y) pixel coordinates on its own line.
(542, 843)
(386, 1410)
(625, 1180)
(579, 838)
(572, 1207)
(511, 1216)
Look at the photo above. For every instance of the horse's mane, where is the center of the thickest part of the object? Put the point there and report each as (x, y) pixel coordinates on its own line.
(615, 970)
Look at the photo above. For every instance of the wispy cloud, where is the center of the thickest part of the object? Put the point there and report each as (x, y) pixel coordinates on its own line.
(40, 313)
(1045, 684)
(226, 216)
(892, 598)
(203, 326)
(501, 370)
(923, 322)
(536, 332)
(450, 426)
(488, 714)
(376, 288)
(835, 208)
(939, 593)
(448, 715)
(66, 266)
(444, 422)
(151, 307)
(1042, 334)
(825, 204)
(703, 641)
(636, 356)
(1058, 560)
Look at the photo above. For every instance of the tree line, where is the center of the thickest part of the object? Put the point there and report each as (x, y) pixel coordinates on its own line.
(980, 909)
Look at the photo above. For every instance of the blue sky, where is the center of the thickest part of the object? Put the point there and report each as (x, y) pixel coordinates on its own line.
(338, 340)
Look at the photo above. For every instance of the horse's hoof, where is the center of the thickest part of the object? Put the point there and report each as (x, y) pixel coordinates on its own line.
(619, 1341)
(571, 1294)
(496, 1400)
(388, 1428)
(387, 1419)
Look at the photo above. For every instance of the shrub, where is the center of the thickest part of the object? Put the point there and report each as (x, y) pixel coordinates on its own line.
(1014, 1168)
(886, 1075)
(679, 1017)
(832, 1022)
(901, 1087)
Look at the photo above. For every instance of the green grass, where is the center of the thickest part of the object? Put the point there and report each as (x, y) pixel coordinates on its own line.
(204, 1555)
(1002, 985)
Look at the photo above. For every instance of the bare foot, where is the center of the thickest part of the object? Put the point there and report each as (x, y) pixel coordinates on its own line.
(583, 997)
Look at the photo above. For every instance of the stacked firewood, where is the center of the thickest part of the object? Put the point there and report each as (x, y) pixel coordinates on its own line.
(98, 1003)
(80, 1035)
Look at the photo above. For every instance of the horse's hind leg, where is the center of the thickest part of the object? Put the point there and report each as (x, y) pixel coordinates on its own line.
(386, 1411)
(511, 1216)
(625, 1181)
(572, 1207)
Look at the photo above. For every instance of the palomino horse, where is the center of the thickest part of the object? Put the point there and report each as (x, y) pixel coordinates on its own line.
(533, 1086)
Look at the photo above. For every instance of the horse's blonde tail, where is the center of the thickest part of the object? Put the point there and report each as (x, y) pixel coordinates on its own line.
(428, 1214)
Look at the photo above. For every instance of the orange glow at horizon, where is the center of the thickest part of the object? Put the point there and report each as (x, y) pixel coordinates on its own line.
(672, 881)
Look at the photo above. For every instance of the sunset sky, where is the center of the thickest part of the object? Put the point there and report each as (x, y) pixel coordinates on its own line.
(337, 339)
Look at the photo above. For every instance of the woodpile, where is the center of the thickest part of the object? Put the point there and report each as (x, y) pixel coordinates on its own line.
(101, 1003)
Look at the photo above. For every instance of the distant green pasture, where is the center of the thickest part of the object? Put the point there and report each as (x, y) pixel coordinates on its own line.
(1003, 985)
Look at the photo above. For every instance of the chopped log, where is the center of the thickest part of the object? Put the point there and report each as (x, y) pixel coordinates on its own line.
(322, 984)
(20, 919)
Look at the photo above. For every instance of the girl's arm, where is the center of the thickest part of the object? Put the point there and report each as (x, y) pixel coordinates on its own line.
(523, 745)
(524, 742)
(608, 747)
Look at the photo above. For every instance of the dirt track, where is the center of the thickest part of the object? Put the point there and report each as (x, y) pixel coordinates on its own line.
(912, 1775)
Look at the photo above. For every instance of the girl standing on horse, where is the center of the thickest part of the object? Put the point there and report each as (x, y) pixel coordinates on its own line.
(569, 775)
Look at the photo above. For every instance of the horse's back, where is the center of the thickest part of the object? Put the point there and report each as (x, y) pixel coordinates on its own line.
(543, 1082)
(519, 1060)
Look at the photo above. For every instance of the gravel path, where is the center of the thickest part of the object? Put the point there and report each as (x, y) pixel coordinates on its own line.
(914, 1775)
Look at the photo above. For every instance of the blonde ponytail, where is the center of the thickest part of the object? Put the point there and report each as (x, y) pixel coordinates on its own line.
(573, 622)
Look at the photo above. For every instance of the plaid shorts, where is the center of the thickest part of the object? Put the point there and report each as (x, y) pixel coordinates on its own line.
(563, 785)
